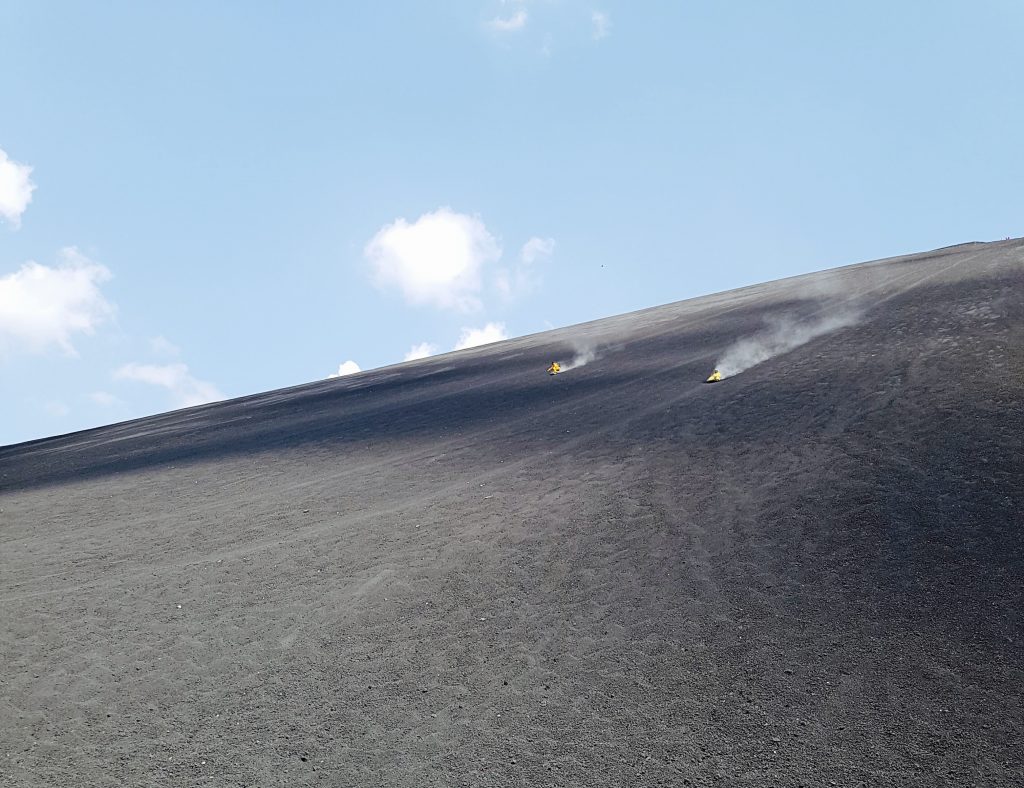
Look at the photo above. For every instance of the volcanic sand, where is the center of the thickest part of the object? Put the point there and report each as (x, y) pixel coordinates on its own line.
(462, 571)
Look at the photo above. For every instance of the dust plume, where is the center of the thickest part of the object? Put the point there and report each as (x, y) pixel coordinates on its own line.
(584, 355)
(782, 334)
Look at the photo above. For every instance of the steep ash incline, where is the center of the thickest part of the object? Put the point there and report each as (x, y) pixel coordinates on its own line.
(461, 571)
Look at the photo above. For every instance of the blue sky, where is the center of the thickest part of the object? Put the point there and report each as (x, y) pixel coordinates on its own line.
(203, 200)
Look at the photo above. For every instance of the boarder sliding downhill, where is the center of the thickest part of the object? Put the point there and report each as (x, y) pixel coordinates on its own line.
(714, 377)
(555, 368)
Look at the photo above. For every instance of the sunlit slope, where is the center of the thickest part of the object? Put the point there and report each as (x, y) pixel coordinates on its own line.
(464, 569)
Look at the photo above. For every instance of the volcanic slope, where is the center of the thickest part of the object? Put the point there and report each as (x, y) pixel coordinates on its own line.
(462, 571)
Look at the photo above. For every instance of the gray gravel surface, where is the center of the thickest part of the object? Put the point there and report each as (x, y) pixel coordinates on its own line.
(461, 571)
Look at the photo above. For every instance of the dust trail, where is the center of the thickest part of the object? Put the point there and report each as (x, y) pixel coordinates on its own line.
(584, 355)
(782, 334)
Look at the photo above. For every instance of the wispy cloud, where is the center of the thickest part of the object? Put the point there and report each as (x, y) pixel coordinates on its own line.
(422, 350)
(601, 25)
(436, 260)
(474, 337)
(509, 24)
(185, 389)
(163, 346)
(105, 399)
(345, 368)
(537, 248)
(57, 409)
(524, 278)
(43, 307)
(16, 189)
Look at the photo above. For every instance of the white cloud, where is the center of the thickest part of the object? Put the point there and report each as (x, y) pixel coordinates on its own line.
(42, 306)
(185, 389)
(548, 46)
(523, 278)
(536, 248)
(510, 24)
(506, 284)
(422, 350)
(348, 368)
(16, 189)
(57, 409)
(436, 260)
(105, 399)
(601, 25)
(473, 337)
(163, 346)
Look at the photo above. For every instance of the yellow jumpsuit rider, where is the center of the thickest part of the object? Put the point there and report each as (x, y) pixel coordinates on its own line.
(555, 368)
